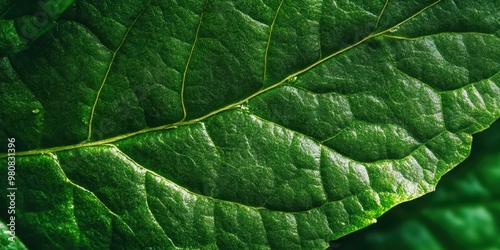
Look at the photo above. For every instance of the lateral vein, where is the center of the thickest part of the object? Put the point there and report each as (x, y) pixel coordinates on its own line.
(381, 14)
(266, 53)
(109, 70)
(184, 74)
(8, 9)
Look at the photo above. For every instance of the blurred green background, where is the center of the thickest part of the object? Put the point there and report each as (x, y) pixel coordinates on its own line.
(463, 213)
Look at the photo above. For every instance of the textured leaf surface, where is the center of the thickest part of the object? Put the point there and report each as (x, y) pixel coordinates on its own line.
(238, 125)
(7, 244)
(22, 22)
(463, 213)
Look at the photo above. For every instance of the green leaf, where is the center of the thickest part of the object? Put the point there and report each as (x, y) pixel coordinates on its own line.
(463, 212)
(7, 241)
(24, 21)
(238, 125)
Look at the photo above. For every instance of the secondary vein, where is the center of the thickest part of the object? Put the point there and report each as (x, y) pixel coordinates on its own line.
(8, 9)
(184, 74)
(269, 41)
(381, 14)
(109, 70)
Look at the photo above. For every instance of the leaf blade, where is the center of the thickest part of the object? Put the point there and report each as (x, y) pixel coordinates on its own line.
(383, 138)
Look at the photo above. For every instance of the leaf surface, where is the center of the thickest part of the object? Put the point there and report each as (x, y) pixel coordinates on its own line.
(24, 21)
(238, 125)
(463, 212)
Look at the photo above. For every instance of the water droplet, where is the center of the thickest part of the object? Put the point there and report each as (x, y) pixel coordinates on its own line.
(35, 111)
